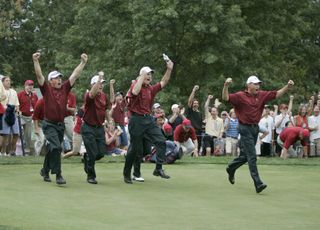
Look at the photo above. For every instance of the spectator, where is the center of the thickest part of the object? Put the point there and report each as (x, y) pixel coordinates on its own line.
(112, 135)
(266, 142)
(185, 137)
(291, 135)
(117, 113)
(301, 120)
(177, 116)
(194, 115)
(76, 136)
(314, 127)
(27, 99)
(68, 120)
(214, 126)
(231, 125)
(11, 104)
(37, 117)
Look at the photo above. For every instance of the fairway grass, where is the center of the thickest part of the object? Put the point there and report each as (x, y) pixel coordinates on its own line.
(198, 196)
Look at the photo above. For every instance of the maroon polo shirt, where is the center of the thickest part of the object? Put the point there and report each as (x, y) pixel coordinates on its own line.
(95, 109)
(290, 135)
(249, 107)
(27, 102)
(181, 135)
(55, 101)
(72, 103)
(38, 113)
(142, 103)
(118, 114)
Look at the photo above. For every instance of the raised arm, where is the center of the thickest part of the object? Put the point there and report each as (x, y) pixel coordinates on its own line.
(37, 68)
(206, 105)
(77, 71)
(191, 97)
(137, 87)
(166, 77)
(112, 97)
(225, 91)
(284, 89)
(290, 103)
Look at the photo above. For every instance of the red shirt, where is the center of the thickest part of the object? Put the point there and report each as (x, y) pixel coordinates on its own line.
(27, 102)
(72, 103)
(302, 121)
(142, 103)
(290, 135)
(112, 145)
(95, 109)
(181, 135)
(118, 114)
(38, 113)
(77, 125)
(249, 107)
(55, 101)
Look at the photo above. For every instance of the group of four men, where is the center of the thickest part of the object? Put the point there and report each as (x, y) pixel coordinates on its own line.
(248, 105)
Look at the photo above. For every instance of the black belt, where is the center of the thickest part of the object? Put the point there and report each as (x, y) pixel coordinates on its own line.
(55, 122)
(250, 125)
(141, 115)
(94, 126)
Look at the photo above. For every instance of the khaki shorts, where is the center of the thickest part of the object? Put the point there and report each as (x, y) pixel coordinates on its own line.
(76, 142)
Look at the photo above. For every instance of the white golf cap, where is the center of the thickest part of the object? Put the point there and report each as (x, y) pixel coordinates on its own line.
(145, 69)
(156, 105)
(95, 79)
(54, 74)
(253, 79)
(174, 106)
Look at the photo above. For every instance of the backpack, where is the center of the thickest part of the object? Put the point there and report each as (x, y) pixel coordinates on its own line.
(10, 117)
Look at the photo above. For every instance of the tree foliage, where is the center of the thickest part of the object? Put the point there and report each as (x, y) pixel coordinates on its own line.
(208, 41)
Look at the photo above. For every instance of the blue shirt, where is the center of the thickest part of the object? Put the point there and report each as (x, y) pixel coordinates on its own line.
(232, 131)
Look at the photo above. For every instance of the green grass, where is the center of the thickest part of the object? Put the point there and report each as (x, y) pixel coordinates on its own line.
(198, 196)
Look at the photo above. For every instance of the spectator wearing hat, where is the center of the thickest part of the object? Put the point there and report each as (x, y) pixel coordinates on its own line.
(185, 138)
(291, 135)
(194, 115)
(141, 125)
(55, 94)
(27, 99)
(92, 130)
(10, 126)
(37, 117)
(177, 116)
(117, 113)
(268, 124)
(156, 109)
(214, 126)
(249, 105)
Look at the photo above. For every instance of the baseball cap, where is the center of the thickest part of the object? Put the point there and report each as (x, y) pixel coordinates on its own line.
(174, 106)
(119, 93)
(167, 128)
(305, 133)
(28, 82)
(253, 79)
(145, 69)
(156, 105)
(54, 74)
(187, 123)
(95, 79)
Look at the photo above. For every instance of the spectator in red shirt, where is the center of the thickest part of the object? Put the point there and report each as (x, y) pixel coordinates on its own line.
(37, 117)
(55, 95)
(249, 105)
(291, 135)
(185, 137)
(27, 99)
(76, 136)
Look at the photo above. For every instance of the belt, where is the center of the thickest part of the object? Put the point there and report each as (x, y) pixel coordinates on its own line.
(94, 126)
(140, 115)
(250, 125)
(55, 122)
